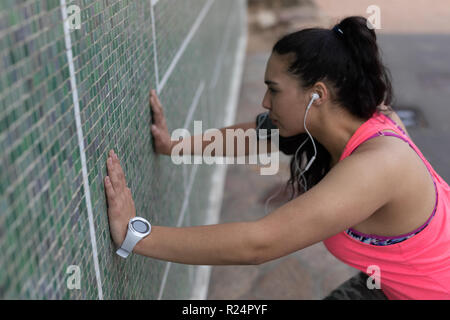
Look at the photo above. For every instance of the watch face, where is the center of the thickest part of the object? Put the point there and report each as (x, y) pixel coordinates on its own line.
(140, 226)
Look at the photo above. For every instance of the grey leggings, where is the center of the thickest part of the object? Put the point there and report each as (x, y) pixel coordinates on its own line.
(355, 288)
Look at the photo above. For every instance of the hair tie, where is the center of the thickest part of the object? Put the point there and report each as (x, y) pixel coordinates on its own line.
(337, 29)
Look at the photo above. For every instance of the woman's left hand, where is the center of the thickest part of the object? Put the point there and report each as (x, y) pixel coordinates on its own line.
(120, 201)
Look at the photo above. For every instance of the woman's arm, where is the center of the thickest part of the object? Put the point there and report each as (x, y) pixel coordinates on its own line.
(347, 195)
(221, 244)
(164, 144)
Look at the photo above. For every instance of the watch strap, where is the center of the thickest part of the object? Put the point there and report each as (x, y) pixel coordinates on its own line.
(128, 244)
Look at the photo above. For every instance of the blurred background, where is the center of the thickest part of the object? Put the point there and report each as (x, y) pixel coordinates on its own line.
(415, 42)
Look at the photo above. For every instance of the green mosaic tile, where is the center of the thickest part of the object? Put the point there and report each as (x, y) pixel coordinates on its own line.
(44, 225)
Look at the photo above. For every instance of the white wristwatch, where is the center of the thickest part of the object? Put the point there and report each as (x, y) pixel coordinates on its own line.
(138, 228)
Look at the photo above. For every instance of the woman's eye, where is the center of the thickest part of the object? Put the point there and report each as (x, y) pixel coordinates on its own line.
(272, 90)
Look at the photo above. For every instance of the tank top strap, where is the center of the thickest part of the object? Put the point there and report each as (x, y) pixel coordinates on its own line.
(375, 127)
(402, 135)
(368, 130)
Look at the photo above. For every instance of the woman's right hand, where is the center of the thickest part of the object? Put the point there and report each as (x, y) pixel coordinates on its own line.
(163, 143)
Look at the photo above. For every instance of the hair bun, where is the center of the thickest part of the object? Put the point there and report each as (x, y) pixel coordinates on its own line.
(358, 26)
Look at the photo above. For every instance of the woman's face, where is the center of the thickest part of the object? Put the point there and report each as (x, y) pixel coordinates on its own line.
(284, 98)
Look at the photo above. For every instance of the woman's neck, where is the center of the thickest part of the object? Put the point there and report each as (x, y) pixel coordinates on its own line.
(333, 130)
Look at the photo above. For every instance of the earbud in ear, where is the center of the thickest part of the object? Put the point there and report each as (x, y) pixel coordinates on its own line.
(314, 97)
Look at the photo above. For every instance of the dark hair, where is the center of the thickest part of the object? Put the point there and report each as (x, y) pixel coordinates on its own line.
(347, 59)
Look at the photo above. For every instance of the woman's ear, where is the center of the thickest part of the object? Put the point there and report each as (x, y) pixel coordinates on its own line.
(321, 89)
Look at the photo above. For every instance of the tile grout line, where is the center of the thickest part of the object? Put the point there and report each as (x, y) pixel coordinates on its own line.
(185, 43)
(186, 196)
(194, 104)
(189, 116)
(81, 146)
(220, 173)
(161, 85)
(155, 52)
(223, 47)
(179, 223)
(203, 273)
(192, 109)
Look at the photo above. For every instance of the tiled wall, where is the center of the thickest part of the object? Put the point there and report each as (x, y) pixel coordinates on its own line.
(62, 110)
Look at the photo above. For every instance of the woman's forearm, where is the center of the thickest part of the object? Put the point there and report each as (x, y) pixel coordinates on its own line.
(219, 244)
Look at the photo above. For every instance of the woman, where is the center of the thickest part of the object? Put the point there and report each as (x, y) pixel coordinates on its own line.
(368, 192)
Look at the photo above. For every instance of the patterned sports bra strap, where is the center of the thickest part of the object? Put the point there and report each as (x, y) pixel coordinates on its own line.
(395, 124)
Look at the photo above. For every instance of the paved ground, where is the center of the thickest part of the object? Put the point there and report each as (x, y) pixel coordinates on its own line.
(419, 62)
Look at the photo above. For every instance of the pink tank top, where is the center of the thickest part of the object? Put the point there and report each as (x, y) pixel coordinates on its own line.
(418, 267)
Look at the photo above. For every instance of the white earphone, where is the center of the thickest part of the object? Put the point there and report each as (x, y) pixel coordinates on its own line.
(314, 97)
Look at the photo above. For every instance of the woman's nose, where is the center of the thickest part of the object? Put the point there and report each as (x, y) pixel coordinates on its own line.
(266, 102)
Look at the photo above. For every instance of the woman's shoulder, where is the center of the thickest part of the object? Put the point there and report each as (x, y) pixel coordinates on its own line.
(410, 185)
